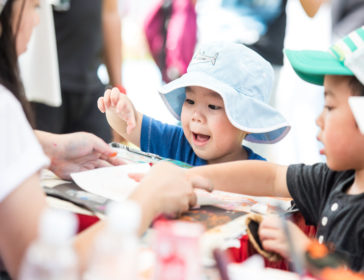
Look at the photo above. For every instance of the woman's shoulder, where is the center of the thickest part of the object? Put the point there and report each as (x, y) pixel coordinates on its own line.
(8, 102)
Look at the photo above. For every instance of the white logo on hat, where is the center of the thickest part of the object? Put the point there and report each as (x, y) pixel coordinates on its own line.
(201, 57)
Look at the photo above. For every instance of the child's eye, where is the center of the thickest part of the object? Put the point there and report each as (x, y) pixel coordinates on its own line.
(214, 107)
(328, 108)
(189, 101)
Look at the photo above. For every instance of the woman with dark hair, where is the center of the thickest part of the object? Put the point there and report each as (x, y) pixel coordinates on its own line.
(22, 156)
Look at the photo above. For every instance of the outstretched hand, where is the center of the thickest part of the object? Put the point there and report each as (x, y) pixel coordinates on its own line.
(76, 152)
(121, 104)
(169, 189)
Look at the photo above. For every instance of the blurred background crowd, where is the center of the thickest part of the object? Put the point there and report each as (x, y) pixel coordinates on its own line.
(290, 24)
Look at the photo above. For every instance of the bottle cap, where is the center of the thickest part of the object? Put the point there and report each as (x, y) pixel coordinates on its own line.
(123, 216)
(57, 226)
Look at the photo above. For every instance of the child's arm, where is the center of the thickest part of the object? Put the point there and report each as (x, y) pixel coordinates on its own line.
(261, 179)
(121, 115)
(250, 177)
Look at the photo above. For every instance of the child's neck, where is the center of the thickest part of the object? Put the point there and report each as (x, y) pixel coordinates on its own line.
(241, 154)
(358, 185)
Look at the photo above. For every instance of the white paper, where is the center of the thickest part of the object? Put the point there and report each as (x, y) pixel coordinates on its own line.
(110, 182)
(357, 107)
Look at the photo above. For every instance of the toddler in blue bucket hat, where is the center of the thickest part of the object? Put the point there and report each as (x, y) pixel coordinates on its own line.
(220, 101)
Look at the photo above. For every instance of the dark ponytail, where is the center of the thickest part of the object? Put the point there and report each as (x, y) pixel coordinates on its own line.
(9, 68)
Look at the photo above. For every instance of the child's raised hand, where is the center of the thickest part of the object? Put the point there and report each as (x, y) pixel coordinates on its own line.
(119, 103)
(273, 238)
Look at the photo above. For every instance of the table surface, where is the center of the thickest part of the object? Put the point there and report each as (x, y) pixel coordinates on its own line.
(223, 228)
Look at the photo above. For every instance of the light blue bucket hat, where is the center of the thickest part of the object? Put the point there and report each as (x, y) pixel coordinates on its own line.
(243, 79)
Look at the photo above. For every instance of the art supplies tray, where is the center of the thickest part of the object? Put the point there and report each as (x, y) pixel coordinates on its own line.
(72, 193)
(134, 155)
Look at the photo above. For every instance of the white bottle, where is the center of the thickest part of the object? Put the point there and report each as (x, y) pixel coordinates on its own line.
(116, 250)
(52, 256)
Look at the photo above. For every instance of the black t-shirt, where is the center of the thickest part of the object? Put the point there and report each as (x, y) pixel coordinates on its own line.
(79, 44)
(270, 45)
(320, 196)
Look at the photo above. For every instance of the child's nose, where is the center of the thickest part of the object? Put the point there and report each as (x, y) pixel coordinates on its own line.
(319, 120)
(197, 117)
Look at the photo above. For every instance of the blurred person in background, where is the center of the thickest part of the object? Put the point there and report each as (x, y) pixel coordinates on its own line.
(88, 33)
(346, 16)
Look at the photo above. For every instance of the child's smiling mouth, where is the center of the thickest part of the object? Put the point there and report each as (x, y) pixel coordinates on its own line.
(200, 139)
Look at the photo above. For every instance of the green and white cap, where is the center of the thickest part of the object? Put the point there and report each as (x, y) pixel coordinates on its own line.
(346, 57)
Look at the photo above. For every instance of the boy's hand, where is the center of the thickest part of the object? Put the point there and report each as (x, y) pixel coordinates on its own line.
(121, 104)
(273, 238)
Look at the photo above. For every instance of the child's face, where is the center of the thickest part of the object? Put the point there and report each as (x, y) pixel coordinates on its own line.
(29, 18)
(207, 127)
(343, 142)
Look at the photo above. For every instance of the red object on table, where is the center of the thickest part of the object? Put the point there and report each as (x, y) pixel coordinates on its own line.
(84, 221)
(246, 249)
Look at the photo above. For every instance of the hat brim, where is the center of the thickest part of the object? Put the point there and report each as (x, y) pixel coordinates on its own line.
(263, 123)
(312, 66)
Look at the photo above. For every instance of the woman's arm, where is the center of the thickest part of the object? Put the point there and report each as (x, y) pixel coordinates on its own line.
(19, 218)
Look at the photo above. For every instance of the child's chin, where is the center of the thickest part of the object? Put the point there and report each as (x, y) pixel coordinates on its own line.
(335, 166)
(201, 155)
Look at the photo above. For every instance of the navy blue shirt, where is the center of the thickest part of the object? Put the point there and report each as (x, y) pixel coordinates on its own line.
(169, 141)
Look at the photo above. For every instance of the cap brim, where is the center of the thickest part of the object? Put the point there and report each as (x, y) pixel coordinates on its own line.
(312, 66)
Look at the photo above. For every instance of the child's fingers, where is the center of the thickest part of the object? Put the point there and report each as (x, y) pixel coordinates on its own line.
(192, 199)
(100, 104)
(271, 221)
(107, 102)
(275, 246)
(137, 177)
(131, 124)
(126, 112)
(199, 182)
(268, 234)
(114, 96)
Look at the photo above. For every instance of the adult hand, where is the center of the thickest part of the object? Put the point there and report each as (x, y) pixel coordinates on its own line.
(121, 104)
(76, 152)
(167, 189)
(274, 239)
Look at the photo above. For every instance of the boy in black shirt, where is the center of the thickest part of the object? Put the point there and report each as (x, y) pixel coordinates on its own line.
(329, 195)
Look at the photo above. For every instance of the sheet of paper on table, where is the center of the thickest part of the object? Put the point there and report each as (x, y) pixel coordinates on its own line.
(110, 182)
(114, 183)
